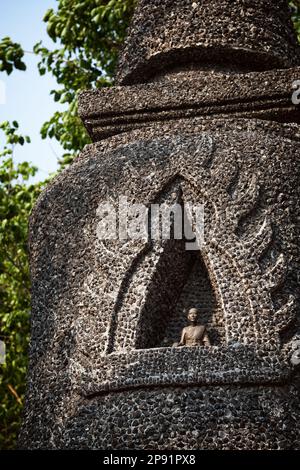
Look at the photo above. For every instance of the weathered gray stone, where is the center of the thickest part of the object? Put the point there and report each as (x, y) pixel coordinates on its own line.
(210, 34)
(183, 95)
(103, 373)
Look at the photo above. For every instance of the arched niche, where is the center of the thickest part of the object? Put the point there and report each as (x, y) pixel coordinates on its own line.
(181, 281)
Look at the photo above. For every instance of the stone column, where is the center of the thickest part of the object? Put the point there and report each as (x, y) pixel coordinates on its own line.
(202, 114)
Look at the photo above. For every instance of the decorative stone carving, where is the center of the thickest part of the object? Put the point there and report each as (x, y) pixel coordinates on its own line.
(105, 313)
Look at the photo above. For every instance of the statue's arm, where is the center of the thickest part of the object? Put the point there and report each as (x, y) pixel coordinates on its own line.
(206, 340)
(182, 339)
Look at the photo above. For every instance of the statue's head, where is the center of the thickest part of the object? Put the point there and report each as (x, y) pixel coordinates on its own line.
(193, 315)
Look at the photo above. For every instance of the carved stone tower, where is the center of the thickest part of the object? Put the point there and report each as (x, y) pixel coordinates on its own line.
(202, 114)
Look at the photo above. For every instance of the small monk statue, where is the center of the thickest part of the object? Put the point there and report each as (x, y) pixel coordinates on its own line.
(194, 334)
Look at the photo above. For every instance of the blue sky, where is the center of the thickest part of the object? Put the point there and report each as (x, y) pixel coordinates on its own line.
(28, 98)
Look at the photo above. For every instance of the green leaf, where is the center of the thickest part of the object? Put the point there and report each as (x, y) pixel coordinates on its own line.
(20, 65)
(48, 15)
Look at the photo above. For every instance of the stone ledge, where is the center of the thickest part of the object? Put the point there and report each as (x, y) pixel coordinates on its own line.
(265, 95)
(180, 366)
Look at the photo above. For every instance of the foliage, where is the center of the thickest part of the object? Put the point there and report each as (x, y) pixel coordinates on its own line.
(295, 5)
(16, 199)
(11, 55)
(89, 34)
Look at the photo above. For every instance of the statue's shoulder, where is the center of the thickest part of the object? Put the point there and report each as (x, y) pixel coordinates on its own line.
(187, 329)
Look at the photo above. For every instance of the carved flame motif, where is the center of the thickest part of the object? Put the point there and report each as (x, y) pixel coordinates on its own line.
(242, 287)
(245, 289)
(155, 273)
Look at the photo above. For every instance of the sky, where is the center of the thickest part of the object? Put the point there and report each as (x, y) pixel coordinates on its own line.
(27, 94)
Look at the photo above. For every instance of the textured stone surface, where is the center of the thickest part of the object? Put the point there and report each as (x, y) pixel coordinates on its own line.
(87, 306)
(105, 314)
(182, 95)
(219, 418)
(239, 35)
